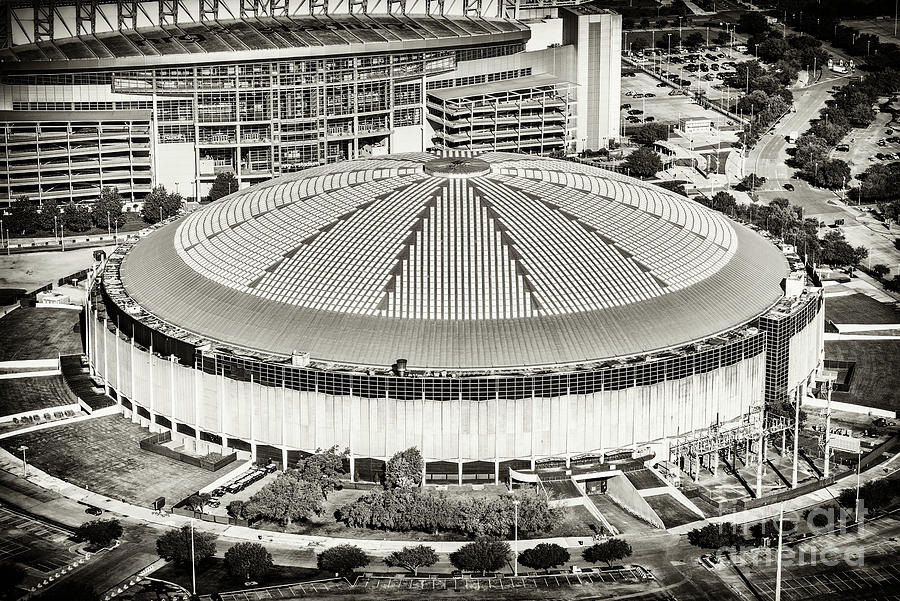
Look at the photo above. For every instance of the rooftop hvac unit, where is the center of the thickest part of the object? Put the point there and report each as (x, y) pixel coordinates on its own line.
(299, 359)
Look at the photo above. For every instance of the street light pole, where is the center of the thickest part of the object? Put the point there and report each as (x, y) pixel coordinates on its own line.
(516, 539)
(23, 448)
(856, 506)
(193, 569)
(778, 557)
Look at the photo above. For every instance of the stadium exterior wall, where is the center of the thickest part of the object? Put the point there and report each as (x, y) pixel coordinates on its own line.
(562, 425)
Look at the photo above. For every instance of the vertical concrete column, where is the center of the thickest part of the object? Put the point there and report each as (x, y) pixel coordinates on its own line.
(87, 327)
(198, 394)
(761, 453)
(422, 438)
(533, 415)
(172, 361)
(105, 356)
(568, 408)
(459, 460)
(221, 381)
(152, 377)
(715, 459)
(96, 349)
(118, 370)
(252, 421)
(284, 450)
(134, 415)
(497, 435)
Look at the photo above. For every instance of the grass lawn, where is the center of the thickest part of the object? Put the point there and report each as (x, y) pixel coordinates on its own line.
(103, 455)
(859, 308)
(133, 223)
(671, 511)
(39, 333)
(877, 376)
(213, 576)
(30, 394)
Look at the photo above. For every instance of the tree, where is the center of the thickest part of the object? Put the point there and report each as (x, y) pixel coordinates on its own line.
(23, 218)
(248, 561)
(723, 202)
(750, 182)
(49, 210)
(640, 43)
(324, 468)
(880, 270)
(236, 509)
(544, 556)
(643, 162)
(833, 174)
(404, 469)
(108, 209)
(482, 555)
(612, 550)
(412, 558)
(199, 501)
(753, 23)
(285, 500)
(224, 184)
(11, 576)
(160, 202)
(99, 533)
(694, 40)
(650, 133)
(714, 536)
(837, 252)
(175, 545)
(342, 559)
(76, 217)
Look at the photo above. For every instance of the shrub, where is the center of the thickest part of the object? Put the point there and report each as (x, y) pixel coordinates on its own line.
(482, 555)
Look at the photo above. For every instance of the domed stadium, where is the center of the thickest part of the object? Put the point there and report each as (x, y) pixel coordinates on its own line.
(490, 309)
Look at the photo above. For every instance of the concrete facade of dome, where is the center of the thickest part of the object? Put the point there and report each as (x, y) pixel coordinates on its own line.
(166, 336)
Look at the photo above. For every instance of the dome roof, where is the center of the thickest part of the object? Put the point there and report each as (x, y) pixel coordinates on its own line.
(417, 256)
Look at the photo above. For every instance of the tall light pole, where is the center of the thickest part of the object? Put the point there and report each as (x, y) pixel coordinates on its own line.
(778, 557)
(108, 226)
(856, 506)
(160, 213)
(516, 539)
(23, 448)
(193, 569)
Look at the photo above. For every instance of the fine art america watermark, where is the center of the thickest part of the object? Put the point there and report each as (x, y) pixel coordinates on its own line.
(810, 537)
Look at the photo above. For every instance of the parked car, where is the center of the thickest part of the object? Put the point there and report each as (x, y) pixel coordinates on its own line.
(635, 112)
(94, 511)
(649, 119)
(649, 95)
(626, 106)
(662, 84)
(842, 148)
(789, 187)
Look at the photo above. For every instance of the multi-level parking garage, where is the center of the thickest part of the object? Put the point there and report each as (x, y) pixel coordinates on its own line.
(262, 88)
(493, 311)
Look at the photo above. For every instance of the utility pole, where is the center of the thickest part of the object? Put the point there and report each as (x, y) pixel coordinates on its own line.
(828, 430)
(193, 568)
(798, 396)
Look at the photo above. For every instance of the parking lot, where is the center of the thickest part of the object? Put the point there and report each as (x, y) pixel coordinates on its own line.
(861, 583)
(662, 107)
(41, 548)
(240, 488)
(694, 71)
(504, 582)
(878, 143)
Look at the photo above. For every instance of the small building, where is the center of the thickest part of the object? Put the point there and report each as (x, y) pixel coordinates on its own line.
(694, 126)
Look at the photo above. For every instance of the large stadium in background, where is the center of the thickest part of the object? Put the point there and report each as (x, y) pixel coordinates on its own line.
(494, 310)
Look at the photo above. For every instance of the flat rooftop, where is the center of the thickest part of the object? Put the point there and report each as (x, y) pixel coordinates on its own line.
(494, 87)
